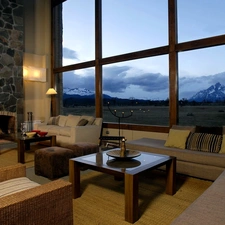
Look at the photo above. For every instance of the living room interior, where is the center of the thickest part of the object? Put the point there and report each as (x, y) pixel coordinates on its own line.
(33, 60)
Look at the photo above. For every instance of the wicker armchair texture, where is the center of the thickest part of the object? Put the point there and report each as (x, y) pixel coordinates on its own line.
(46, 204)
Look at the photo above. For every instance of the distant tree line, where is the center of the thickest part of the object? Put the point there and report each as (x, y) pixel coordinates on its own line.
(90, 101)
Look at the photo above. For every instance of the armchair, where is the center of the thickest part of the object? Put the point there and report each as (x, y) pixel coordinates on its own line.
(50, 203)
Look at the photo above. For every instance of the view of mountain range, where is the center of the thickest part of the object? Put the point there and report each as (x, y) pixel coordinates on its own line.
(215, 93)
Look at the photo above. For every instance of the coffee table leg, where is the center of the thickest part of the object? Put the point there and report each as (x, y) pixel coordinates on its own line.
(74, 178)
(171, 177)
(53, 141)
(20, 151)
(131, 198)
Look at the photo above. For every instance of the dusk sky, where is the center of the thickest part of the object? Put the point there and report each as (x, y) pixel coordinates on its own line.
(131, 25)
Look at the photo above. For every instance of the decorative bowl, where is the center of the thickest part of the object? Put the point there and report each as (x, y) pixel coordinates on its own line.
(37, 131)
(42, 133)
(30, 134)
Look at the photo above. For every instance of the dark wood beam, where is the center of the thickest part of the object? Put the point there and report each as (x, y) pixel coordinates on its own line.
(137, 127)
(98, 58)
(173, 67)
(136, 55)
(78, 66)
(201, 43)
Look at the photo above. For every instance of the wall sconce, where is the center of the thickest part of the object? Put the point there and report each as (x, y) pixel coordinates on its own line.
(34, 74)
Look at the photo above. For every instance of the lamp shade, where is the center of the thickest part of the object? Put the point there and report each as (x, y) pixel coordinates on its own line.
(51, 91)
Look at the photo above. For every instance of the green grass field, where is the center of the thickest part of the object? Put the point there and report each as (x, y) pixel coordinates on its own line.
(158, 115)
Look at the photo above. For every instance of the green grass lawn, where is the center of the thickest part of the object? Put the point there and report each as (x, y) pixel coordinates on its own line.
(158, 115)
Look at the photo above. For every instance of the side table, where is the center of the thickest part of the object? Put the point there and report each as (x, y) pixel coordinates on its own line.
(24, 144)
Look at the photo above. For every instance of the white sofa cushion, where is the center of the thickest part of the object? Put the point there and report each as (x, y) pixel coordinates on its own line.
(65, 131)
(54, 130)
(72, 120)
(62, 120)
(12, 186)
(54, 120)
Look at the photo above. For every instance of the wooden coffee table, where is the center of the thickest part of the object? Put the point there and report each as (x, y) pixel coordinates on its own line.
(129, 170)
(24, 144)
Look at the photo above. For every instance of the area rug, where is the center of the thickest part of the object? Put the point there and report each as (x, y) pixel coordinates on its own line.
(3, 141)
(9, 156)
(102, 200)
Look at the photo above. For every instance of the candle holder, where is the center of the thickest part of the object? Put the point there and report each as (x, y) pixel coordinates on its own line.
(122, 116)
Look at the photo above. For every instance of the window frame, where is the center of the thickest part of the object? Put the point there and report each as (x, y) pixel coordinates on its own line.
(171, 49)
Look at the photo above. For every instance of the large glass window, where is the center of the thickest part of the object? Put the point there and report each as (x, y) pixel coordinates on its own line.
(78, 31)
(79, 92)
(136, 80)
(140, 86)
(200, 19)
(202, 87)
(133, 26)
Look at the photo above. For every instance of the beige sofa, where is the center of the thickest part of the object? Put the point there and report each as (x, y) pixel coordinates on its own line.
(24, 202)
(193, 159)
(200, 164)
(208, 209)
(72, 129)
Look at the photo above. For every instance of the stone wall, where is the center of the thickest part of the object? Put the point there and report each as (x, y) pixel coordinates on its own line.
(11, 59)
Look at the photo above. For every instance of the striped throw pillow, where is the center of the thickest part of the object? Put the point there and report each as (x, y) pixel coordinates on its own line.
(204, 142)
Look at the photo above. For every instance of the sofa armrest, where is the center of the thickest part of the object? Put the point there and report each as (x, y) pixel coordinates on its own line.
(88, 133)
(50, 203)
(13, 171)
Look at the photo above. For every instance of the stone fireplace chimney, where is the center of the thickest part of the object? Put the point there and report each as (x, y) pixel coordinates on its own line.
(11, 61)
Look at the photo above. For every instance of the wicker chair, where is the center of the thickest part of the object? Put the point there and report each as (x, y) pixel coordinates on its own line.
(50, 203)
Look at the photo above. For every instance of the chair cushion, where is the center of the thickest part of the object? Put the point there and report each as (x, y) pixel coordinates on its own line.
(12, 186)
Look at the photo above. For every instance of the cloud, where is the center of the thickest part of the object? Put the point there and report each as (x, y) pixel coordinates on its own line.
(118, 79)
(73, 80)
(115, 79)
(128, 81)
(150, 82)
(69, 53)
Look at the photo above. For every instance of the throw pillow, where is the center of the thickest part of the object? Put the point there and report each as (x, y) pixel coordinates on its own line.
(90, 119)
(222, 149)
(82, 122)
(53, 120)
(204, 142)
(177, 138)
(72, 120)
(62, 120)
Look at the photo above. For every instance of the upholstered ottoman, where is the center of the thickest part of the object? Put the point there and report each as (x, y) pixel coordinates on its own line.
(52, 162)
(82, 148)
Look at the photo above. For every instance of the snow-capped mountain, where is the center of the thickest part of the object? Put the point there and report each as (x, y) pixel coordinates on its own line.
(212, 94)
(77, 91)
(80, 93)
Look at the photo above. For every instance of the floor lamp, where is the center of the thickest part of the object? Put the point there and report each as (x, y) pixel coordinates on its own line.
(51, 91)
